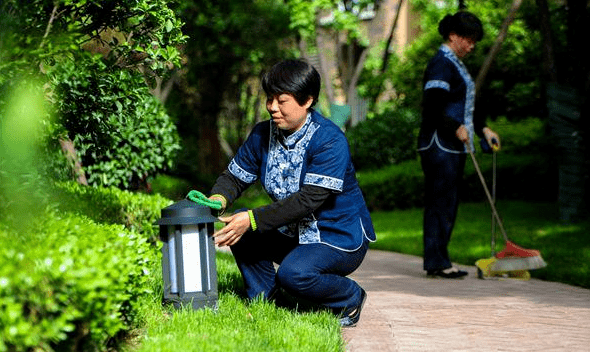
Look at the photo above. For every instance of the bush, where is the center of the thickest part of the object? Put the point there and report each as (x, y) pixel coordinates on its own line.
(519, 177)
(122, 134)
(80, 283)
(387, 138)
(394, 187)
(136, 211)
(88, 260)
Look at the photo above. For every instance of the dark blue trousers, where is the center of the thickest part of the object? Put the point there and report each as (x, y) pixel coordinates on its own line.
(315, 272)
(443, 173)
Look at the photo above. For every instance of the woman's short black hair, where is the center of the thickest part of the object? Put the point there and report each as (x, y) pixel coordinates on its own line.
(463, 23)
(295, 77)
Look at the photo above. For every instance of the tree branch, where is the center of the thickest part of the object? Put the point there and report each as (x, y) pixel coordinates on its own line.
(49, 24)
(483, 71)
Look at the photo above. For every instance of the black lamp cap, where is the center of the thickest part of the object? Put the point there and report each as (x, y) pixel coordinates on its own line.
(186, 212)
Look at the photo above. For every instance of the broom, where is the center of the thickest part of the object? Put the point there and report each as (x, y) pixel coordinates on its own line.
(512, 257)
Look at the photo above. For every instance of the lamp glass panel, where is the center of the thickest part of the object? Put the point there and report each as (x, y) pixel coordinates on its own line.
(172, 258)
(191, 257)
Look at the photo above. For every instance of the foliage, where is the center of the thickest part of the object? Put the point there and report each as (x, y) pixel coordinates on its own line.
(80, 283)
(100, 100)
(216, 92)
(39, 31)
(397, 186)
(233, 42)
(171, 187)
(88, 256)
(20, 149)
(122, 133)
(136, 211)
(564, 246)
(512, 86)
(303, 16)
(385, 139)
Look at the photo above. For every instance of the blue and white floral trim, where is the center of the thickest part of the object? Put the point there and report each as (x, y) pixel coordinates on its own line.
(438, 84)
(469, 94)
(240, 173)
(324, 181)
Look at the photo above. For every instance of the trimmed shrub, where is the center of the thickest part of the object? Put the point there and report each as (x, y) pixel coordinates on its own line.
(386, 139)
(523, 171)
(70, 277)
(136, 211)
(393, 187)
(69, 283)
(519, 177)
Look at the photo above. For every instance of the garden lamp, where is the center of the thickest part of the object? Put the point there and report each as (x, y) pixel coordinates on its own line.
(188, 255)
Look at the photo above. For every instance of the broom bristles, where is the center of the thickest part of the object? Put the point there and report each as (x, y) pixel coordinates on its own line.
(514, 257)
(513, 264)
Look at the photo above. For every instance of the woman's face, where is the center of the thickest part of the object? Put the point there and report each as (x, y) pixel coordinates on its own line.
(286, 112)
(461, 45)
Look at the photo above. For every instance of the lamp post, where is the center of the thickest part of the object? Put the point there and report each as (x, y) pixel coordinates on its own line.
(188, 255)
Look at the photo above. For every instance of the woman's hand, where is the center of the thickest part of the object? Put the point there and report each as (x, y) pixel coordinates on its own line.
(235, 226)
(462, 134)
(221, 199)
(492, 138)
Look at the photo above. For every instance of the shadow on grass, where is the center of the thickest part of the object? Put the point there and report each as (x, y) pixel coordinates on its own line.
(230, 282)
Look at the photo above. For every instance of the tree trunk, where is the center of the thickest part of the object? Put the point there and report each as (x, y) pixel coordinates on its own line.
(386, 54)
(324, 66)
(548, 50)
(567, 105)
(67, 146)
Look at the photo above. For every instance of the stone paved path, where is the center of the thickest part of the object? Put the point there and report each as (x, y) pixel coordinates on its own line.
(405, 311)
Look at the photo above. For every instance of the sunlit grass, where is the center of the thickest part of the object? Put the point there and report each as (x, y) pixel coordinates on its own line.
(565, 247)
(237, 324)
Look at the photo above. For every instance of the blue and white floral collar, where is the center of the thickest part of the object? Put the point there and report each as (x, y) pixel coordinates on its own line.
(290, 140)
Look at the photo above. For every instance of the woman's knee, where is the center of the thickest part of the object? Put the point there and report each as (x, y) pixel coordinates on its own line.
(293, 278)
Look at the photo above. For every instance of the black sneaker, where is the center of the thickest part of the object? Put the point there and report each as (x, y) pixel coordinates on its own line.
(353, 317)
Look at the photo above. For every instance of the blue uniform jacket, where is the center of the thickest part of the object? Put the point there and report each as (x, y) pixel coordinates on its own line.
(318, 154)
(446, 71)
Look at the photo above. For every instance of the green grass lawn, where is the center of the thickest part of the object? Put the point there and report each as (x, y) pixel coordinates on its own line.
(239, 325)
(565, 247)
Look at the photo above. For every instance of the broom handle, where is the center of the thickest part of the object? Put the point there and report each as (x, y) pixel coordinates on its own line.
(493, 244)
(485, 187)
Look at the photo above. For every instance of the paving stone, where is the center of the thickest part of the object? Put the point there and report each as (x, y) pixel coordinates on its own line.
(406, 311)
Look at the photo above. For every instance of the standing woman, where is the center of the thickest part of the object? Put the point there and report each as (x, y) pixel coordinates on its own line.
(318, 227)
(446, 135)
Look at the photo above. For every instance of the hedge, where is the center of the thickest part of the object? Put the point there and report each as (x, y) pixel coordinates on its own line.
(525, 171)
(70, 280)
(137, 211)
(521, 177)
